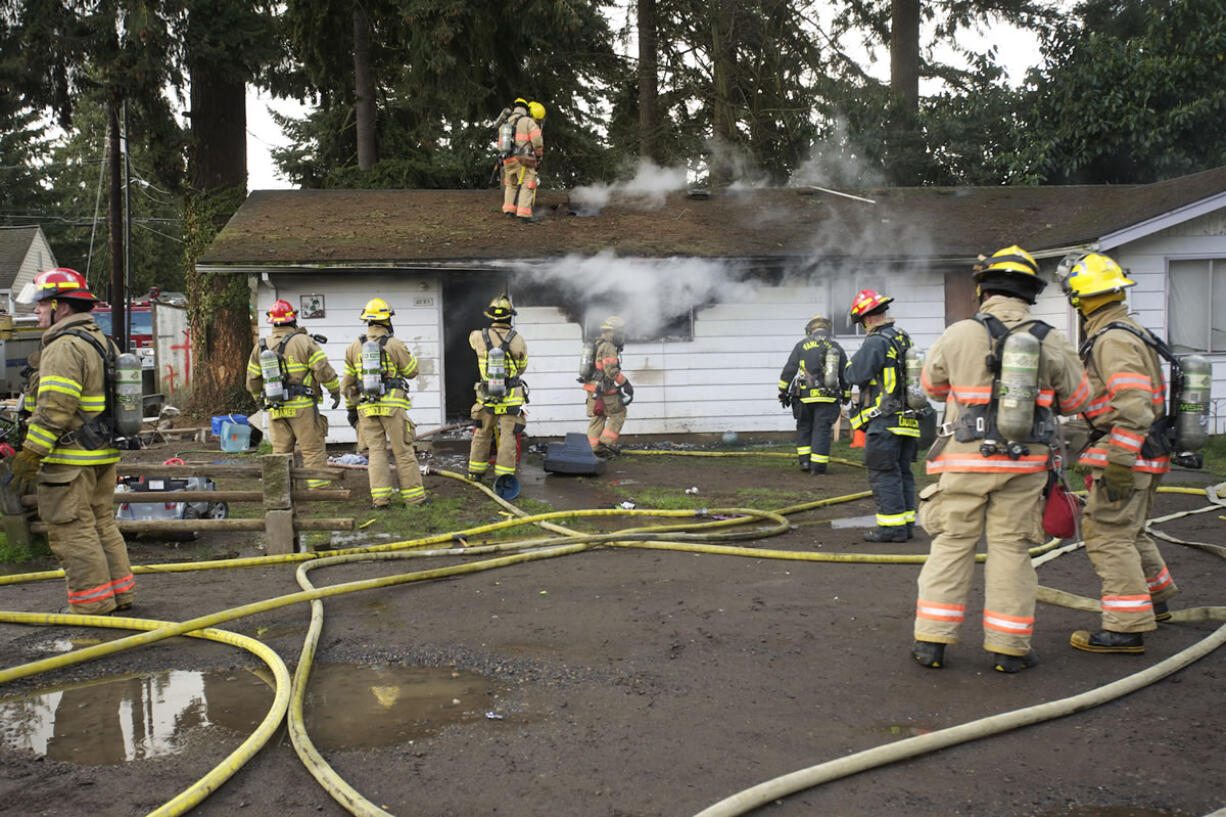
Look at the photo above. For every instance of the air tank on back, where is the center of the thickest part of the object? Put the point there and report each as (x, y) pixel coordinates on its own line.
(129, 403)
(914, 361)
(1019, 386)
(1192, 403)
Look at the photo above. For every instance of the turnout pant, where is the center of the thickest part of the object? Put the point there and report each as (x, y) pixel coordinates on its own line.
(957, 512)
(77, 503)
(605, 428)
(309, 429)
(483, 436)
(813, 431)
(888, 458)
(1133, 572)
(377, 432)
(519, 188)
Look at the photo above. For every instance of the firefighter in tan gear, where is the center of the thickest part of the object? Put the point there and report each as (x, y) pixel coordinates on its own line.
(69, 451)
(990, 483)
(502, 358)
(608, 392)
(378, 368)
(1126, 459)
(522, 159)
(282, 375)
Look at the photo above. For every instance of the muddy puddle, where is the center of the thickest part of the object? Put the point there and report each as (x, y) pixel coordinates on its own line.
(134, 717)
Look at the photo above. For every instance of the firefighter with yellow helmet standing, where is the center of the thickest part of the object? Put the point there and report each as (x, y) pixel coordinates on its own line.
(502, 358)
(1127, 455)
(1002, 376)
(282, 375)
(812, 385)
(891, 437)
(67, 449)
(522, 147)
(608, 390)
(378, 368)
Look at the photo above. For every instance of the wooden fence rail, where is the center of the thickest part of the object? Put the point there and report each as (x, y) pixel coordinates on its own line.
(281, 523)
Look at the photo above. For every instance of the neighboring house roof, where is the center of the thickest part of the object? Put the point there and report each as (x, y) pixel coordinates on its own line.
(431, 228)
(15, 243)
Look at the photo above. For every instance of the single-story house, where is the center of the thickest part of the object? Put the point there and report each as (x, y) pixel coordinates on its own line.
(715, 289)
(24, 252)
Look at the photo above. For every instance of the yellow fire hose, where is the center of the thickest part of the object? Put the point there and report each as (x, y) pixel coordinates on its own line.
(568, 542)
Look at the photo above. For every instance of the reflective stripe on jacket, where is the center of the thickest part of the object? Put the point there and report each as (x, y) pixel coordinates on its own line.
(71, 388)
(517, 362)
(955, 373)
(398, 362)
(608, 363)
(808, 356)
(305, 365)
(875, 368)
(1129, 393)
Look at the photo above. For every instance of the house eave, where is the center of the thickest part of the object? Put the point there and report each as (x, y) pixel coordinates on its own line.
(1157, 224)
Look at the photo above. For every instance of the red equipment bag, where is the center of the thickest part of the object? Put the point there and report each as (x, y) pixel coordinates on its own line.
(1060, 508)
(598, 406)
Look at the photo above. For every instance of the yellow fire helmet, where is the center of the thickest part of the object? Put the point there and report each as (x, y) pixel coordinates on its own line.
(1095, 280)
(818, 323)
(537, 110)
(500, 309)
(377, 310)
(1011, 270)
(613, 324)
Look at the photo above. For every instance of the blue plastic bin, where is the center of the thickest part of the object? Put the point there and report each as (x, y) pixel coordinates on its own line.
(235, 436)
(237, 419)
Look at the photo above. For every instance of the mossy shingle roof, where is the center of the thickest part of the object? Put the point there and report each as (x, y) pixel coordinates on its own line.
(285, 228)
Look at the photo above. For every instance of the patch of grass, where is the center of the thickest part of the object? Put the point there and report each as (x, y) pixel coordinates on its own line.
(1215, 455)
(13, 554)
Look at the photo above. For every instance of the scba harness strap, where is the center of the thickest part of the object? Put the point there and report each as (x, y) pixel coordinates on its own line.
(979, 422)
(389, 383)
(291, 389)
(1160, 441)
(96, 431)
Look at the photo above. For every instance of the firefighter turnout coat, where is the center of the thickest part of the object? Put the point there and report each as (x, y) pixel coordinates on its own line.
(297, 418)
(996, 495)
(604, 426)
(815, 407)
(891, 437)
(383, 420)
(76, 483)
(1128, 399)
(519, 170)
(505, 412)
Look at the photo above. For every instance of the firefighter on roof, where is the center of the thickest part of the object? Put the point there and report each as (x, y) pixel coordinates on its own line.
(69, 449)
(993, 460)
(891, 436)
(1128, 454)
(521, 147)
(812, 385)
(378, 368)
(502, 358)
(282, 376)
(608, 390)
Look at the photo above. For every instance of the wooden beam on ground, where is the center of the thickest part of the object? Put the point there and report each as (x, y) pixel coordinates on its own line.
(212, 469)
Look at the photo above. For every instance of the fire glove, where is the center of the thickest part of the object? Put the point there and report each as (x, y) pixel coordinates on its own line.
(336, 399)
(1118, 481)
(352, 416)
(25, 466)
(785, 399)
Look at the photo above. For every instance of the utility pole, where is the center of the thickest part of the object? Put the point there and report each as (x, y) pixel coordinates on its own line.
(127, 231)
(115, 293)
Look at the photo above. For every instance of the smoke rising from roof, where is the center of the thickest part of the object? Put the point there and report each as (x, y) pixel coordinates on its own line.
(649, 294)
(646, 190)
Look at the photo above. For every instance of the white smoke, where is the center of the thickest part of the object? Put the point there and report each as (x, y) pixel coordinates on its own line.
(836, 162)
(647, 293)
(646, 190)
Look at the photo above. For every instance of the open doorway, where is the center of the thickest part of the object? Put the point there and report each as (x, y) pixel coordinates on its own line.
(465, 297)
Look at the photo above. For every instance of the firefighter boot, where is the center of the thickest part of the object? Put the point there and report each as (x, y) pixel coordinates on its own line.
(1161, 611)
(886, 534)
(817, 468)
(804, 462)
(1108, 641)
(929, 654)
(1013, 663)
